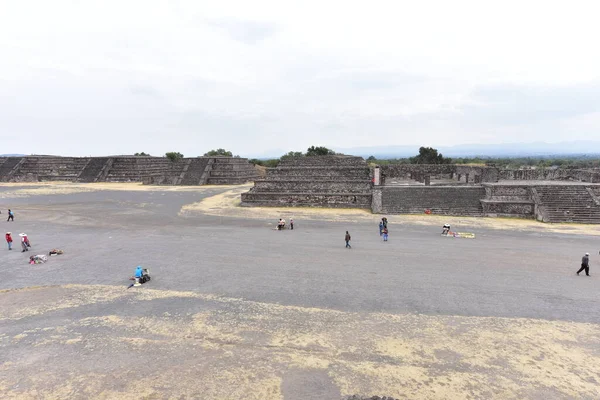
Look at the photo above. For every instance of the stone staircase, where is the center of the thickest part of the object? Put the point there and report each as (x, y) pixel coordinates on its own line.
(566, 203)
(440, 200)
(194, 172)
(7, 168)
(92, 170)
(231, 171)
(322, 181)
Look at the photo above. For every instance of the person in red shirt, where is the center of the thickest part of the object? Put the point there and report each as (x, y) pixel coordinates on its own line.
(9, 240)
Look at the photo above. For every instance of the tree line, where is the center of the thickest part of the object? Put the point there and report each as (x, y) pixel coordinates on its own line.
(427, 155)
(175, 155)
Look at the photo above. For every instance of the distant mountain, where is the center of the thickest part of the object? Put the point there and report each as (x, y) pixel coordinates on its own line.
(582, 147)
(12, 155)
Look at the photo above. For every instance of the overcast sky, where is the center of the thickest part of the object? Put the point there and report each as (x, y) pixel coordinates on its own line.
(259, 77)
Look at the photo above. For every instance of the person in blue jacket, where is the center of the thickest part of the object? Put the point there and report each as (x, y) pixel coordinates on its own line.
(139, 272)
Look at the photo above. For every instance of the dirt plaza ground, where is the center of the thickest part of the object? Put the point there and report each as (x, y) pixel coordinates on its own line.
(238, 310)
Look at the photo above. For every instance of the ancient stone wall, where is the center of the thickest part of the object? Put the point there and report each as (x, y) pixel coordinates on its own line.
(508, 201)
(138, 169)
(231, 171)
(418, 172)
(313, 186)
(156, 170)
(444, 200)
(254, 199)
(328, 173)
(548, 174)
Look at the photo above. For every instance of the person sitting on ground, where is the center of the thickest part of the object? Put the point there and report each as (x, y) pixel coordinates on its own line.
(139, 272)
(446, 229)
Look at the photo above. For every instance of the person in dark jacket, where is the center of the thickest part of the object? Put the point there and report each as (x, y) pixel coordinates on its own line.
(11, 216)
(585, 264)
(347, 239)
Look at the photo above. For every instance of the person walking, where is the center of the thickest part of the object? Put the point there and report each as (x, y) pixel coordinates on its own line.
(291, 224)
(25, 239)
(11, 216)
(23, 242)
(385, 234)
(381, 228)
(585, 264)
(9, 240)
(347, 239)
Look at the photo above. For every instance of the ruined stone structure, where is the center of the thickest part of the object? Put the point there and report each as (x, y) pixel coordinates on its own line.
(151, 170)
(549, 195)
(552, 174)
(322, 181)
(547, 202)
(449, 173)
(508, 201)
(343, 181)
(487, 191)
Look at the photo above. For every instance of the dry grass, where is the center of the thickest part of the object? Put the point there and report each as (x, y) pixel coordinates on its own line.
(248, 346)
(62, 188)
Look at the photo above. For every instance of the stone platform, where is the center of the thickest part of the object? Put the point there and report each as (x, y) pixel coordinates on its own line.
(150, 170)
(320, 181)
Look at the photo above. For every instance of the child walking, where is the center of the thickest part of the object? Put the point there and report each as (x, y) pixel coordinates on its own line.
(9, 240)
(385, 234)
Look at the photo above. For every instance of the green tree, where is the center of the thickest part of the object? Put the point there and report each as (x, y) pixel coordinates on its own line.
(218, 152)
(371, 158)
(319, 151)
(142, 154)
(292, 154)
(174, 156)
(429, 155)
(271, 163)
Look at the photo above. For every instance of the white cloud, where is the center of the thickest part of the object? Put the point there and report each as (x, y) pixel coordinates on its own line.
(105, 77)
